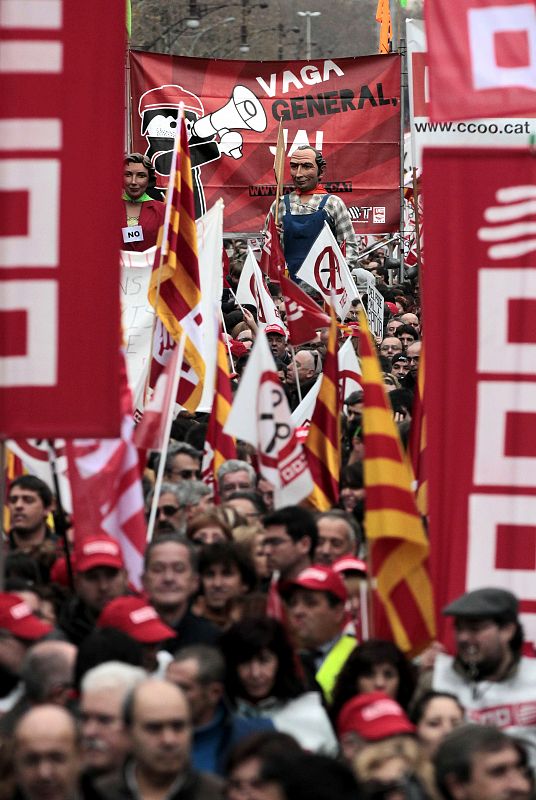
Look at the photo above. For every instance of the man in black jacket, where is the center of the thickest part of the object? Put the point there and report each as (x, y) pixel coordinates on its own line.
(157, 719)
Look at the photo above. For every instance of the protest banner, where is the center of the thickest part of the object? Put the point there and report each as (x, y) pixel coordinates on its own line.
(349, 108)
(58, 369)
(499, 131)
(375, 304)
(480, 386)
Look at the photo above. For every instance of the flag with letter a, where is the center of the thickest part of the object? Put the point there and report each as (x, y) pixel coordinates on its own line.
(397, 540)
(323, 444)
(174, 290)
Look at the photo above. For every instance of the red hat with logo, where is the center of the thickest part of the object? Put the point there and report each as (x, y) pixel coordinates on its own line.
(134, 616)
(98, 551)
(16, 617)
(317, 578)
(373, 716)
(350, 564)
(275, 328)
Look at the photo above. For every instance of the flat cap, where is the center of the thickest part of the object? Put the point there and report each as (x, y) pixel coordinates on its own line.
(488, 602)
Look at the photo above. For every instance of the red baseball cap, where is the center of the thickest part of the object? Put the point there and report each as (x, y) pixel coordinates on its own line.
(318, 578)
(98, 551)
(16, 617)
(393, 308)
(349, 564)
(373, 716)
(134, 616)
(275, 328)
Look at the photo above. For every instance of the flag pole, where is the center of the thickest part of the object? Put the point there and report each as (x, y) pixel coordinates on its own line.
(279, 163)
(298, 387)
(165, 443)
(60, 519)
(227, 338)
(403, 89)
(163, 243)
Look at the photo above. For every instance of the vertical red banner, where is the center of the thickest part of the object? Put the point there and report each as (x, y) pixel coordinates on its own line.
(61, 135)
(480, 391)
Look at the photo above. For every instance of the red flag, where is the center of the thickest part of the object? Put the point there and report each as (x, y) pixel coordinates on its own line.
(149, 433)
(272, 261)
(106, 488)
(225, 267)
(417, 442)
(482, 58)
(304, 316)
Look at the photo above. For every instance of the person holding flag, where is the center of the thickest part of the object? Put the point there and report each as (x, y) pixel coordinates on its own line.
(302, 213)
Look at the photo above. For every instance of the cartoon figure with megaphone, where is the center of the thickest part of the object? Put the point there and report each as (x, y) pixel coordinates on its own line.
(159, 110)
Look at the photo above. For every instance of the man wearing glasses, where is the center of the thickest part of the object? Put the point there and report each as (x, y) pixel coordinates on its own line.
(183, 463)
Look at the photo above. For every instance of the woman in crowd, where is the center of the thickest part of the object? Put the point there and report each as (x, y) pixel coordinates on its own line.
(208, 528)
(374, 666)
(434, 715)
(263, 681)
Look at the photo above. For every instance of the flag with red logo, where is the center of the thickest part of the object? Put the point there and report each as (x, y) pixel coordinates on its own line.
(323, 444)
(174, 290)
(398, 544)
(304, 316)
(260, 415)
(325, 269)
(482, 58)
(252, 290)
(272, 261)
(219, 446)
(106, 488)
(149, 433)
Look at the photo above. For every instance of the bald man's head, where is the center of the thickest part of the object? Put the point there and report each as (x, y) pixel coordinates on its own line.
(48, 672)
(46, 756)
(157, 717)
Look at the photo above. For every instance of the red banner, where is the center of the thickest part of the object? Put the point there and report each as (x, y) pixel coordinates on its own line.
(480, 386)
(348, 108)
(482, 58)
(61, 143)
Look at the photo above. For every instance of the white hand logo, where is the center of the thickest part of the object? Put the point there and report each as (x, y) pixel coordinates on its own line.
(519, 203)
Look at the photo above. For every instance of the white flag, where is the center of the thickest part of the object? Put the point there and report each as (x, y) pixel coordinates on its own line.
(349, 381)
(326, 270)
(260, 415)
(252, 290)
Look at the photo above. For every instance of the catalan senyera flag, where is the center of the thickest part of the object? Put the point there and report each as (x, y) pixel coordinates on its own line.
(417, 442)
(174, 290)
(395, 533)
(323, 443)
(383, 16)
(219, 446)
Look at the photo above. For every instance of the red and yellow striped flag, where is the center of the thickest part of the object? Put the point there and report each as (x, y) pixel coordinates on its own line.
(219, 446)
(174, 290)
(417, 442)
(395, 533)
(323, 444)
(383, 16)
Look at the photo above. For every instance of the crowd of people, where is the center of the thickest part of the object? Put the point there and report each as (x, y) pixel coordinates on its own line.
(246, 667)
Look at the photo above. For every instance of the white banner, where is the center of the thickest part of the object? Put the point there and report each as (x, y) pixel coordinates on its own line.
(137, 313)
(251, 290)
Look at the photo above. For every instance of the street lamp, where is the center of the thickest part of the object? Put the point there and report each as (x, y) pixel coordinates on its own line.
(308, 15)
(206, 30)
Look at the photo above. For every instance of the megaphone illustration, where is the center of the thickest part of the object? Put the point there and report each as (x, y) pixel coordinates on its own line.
(243, 110)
